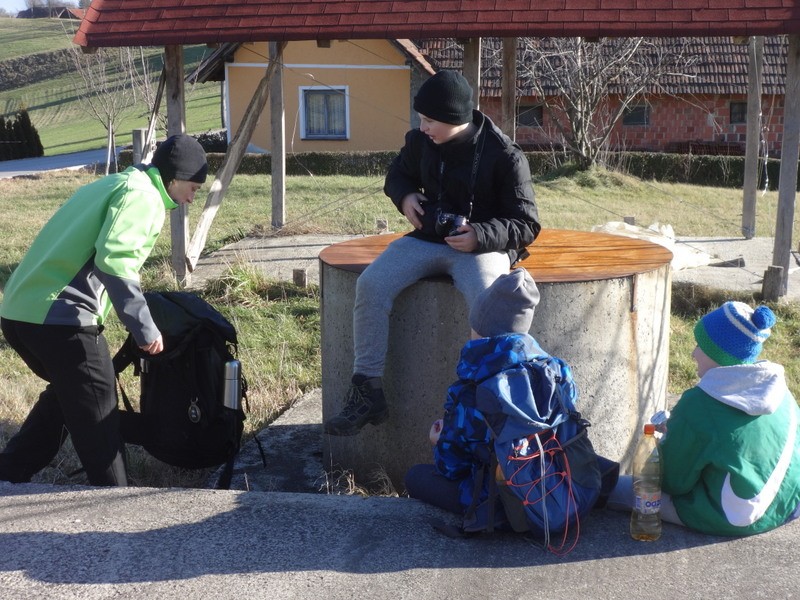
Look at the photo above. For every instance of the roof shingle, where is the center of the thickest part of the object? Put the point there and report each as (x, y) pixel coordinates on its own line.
(184, 22)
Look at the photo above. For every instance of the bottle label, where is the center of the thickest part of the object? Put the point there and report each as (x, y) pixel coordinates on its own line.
(648, 504)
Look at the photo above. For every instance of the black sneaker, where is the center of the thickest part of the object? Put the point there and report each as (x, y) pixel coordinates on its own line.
(364, 404)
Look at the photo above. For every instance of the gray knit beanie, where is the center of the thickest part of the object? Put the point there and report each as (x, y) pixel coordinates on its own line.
(446, 97)
(506, 306)
(181, 157)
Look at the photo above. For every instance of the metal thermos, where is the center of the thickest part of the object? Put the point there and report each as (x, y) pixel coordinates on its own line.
(232, 386)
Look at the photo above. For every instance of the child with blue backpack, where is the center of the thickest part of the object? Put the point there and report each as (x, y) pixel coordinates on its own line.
(500, 319)
(494, 366)
(730, 449)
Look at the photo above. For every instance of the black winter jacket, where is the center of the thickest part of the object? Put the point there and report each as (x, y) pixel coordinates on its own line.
(503, 208)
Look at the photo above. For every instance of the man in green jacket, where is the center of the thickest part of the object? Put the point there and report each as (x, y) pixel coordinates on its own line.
(85, 260)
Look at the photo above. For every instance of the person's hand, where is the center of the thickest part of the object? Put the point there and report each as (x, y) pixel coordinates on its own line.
(660, 419)
(154, 347)
(412, 208)
(465, 241)
(436, 431)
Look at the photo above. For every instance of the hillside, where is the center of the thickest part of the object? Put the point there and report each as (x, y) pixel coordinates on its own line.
(37, 74)
(23, 37)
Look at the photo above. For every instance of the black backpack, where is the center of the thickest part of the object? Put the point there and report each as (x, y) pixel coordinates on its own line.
(183, 420)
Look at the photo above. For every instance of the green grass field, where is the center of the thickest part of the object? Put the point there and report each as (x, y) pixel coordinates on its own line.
(22, 37)
(62, 119)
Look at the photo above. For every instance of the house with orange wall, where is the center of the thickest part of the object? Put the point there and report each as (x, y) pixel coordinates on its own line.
(345, 95)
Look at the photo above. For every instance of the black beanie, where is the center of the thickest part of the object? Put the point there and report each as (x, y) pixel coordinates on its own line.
(181, 157)
(445, 97)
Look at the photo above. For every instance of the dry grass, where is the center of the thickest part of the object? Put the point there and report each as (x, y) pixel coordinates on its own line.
(344, 483)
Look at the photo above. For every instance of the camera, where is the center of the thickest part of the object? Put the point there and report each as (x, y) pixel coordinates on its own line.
(447, 224)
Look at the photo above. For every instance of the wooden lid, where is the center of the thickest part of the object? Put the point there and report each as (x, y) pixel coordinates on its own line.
(557, 255)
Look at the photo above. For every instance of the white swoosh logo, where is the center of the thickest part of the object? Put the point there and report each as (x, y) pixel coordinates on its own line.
(746, 511)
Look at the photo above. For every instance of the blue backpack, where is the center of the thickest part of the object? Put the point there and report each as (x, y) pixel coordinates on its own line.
(541, 463)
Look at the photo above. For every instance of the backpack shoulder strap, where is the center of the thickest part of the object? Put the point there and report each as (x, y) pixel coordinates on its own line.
(124, 356)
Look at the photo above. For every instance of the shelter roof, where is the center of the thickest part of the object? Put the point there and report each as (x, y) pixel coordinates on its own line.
(184, 22)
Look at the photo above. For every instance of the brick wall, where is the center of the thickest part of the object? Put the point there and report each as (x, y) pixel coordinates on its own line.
(700, 124)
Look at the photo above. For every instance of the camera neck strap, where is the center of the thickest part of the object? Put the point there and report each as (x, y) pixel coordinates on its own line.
(473, 177)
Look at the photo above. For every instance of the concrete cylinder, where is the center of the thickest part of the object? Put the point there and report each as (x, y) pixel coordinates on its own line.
(614, 332)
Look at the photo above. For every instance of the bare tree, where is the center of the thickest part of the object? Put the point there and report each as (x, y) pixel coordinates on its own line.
(589, 85)
(106, 81)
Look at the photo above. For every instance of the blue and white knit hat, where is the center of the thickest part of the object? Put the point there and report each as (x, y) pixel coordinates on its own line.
(734, 333)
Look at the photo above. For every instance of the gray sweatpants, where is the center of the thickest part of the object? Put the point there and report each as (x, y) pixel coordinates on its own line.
(404, 262)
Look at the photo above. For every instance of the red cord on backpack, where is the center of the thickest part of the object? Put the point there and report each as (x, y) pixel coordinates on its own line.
(541, 475)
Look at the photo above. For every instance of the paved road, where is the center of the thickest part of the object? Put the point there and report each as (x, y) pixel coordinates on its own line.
(73, 160)
(141, 543)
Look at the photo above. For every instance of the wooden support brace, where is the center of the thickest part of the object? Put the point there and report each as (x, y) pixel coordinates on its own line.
(236, 150)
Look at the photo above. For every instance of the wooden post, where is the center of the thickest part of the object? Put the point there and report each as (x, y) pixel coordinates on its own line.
(278, 146)
(139, 136)
(176, 124)
(300, 277)
(772, 287)
(787, 187)
(233, 158)
(509, 86)
(472, 68)
(756, 53)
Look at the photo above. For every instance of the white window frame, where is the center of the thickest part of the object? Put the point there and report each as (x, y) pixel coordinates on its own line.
(326, 88)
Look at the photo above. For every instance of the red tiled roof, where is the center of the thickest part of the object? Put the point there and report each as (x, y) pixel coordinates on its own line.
(721, 65)
(183, 22)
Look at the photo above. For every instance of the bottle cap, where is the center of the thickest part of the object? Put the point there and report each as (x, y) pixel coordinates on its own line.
(649, 429)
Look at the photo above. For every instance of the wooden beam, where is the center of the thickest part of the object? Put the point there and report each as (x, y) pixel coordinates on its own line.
(176, 101)
(471, 68)
(278, 145)
(176, 124)
(231, 162)
(753, 140)
(787, 187)
(509, 88)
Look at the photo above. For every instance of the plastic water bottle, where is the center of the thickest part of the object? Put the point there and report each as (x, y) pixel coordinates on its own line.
(645, 517)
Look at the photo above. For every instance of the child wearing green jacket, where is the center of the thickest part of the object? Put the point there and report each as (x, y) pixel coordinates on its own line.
(731, 449)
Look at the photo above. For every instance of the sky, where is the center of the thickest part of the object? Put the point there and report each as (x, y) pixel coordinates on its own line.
(13, 6)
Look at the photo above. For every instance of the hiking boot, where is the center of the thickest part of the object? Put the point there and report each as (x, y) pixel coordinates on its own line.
(364, 404)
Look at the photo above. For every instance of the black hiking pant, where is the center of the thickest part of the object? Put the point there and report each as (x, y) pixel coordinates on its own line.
(80, 400)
